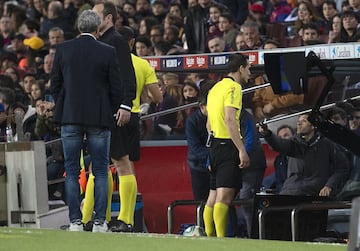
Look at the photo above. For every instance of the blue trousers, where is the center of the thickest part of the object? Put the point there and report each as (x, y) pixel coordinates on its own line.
(98, 145)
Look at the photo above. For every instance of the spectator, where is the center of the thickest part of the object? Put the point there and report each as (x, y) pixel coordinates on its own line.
(281, 9)
(156, 34)
(215, 11)
(170, 78)
(129, 8)
(198, 153)
(163, 124)
(176, 9)
(7, 29)
(328, 12)
(145, 25)
(192, 3)
(13, 73)
(134, 24)
(143, 8)
(171, 35)
(190, 94)
(143, 46)
(45, 76)
(334, 34)
(17, 13)
(217, 44)
(17, 46)
(345, 6)
(239, 40)
(158, 9)
(55, 18)
(354, 122)
(122, 19)
(178, 22)
(37, 92)
(238, 8)
(162, 48)
(257, 14)
(56, 36)
(195, 28)
(228, 29)
(46, 129)
(281, 160)
(39, 7)
(355, 5)
(310, 34)
(31, 28)
(349, 31)
(338, 116)
(252, 36)
(29, 79)
(307, 14)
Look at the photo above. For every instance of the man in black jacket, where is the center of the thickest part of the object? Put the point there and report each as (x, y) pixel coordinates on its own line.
(196, 27)
(119, 148)
(85, 83)
(318, 167)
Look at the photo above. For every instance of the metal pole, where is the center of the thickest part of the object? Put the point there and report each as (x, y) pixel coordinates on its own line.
(324, 107)
(194, 104)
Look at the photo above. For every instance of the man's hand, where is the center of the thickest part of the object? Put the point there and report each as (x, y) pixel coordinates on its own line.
(263, 129)
(244, 159)
(122, 117)
(325, 191)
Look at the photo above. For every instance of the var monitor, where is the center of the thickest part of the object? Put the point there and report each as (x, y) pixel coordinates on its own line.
(286, 72)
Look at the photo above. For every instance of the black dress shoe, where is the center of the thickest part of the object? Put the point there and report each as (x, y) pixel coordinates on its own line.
(120, 226)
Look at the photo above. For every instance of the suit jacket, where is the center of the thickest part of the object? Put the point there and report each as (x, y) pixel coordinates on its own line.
(127, 73)
(85, 83)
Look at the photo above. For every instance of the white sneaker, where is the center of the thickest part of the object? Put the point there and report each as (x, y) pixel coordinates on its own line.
(76, 227)
(99, 227)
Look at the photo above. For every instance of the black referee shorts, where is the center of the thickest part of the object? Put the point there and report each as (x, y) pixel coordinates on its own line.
(125, 140)
(224, 161)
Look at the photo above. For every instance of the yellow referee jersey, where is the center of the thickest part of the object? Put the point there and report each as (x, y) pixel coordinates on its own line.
(226, 92)
(145, 75)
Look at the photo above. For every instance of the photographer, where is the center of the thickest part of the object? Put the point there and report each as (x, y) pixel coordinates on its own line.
(47, 130)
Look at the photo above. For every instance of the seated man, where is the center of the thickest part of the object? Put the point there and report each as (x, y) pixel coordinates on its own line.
(319, 167)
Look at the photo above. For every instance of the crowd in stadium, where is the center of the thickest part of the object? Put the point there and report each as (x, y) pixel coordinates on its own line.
(30, 31)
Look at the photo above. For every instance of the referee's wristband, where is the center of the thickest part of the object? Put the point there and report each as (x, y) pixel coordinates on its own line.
(125, 107)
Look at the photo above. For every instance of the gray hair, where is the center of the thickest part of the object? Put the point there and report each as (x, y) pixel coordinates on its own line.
(88, 21)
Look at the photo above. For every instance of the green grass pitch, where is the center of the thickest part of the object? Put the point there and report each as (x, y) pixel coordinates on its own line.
(22, 239)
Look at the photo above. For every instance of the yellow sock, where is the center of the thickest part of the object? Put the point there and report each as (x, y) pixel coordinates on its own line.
(220, 218)
(88, 207)
(209, 220)
(127, 192)
(110, 192)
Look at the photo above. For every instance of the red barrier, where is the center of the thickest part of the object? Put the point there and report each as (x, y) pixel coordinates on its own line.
(163, 176)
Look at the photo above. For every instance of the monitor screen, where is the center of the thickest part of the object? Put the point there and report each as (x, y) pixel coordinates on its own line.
(286, 72)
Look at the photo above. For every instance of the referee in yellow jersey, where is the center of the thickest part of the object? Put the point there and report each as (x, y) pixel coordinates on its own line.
(227, 151)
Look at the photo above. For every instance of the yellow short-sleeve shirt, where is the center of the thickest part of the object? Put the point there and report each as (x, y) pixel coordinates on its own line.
(144, 75)
(226, 93)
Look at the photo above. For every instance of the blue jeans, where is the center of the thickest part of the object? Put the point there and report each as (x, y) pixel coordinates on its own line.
(98, 145)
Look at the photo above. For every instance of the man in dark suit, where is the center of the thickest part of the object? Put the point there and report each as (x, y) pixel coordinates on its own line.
(86, 85)
(119, 146)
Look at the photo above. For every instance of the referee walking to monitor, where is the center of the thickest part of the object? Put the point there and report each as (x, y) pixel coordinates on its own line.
(227, 151)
